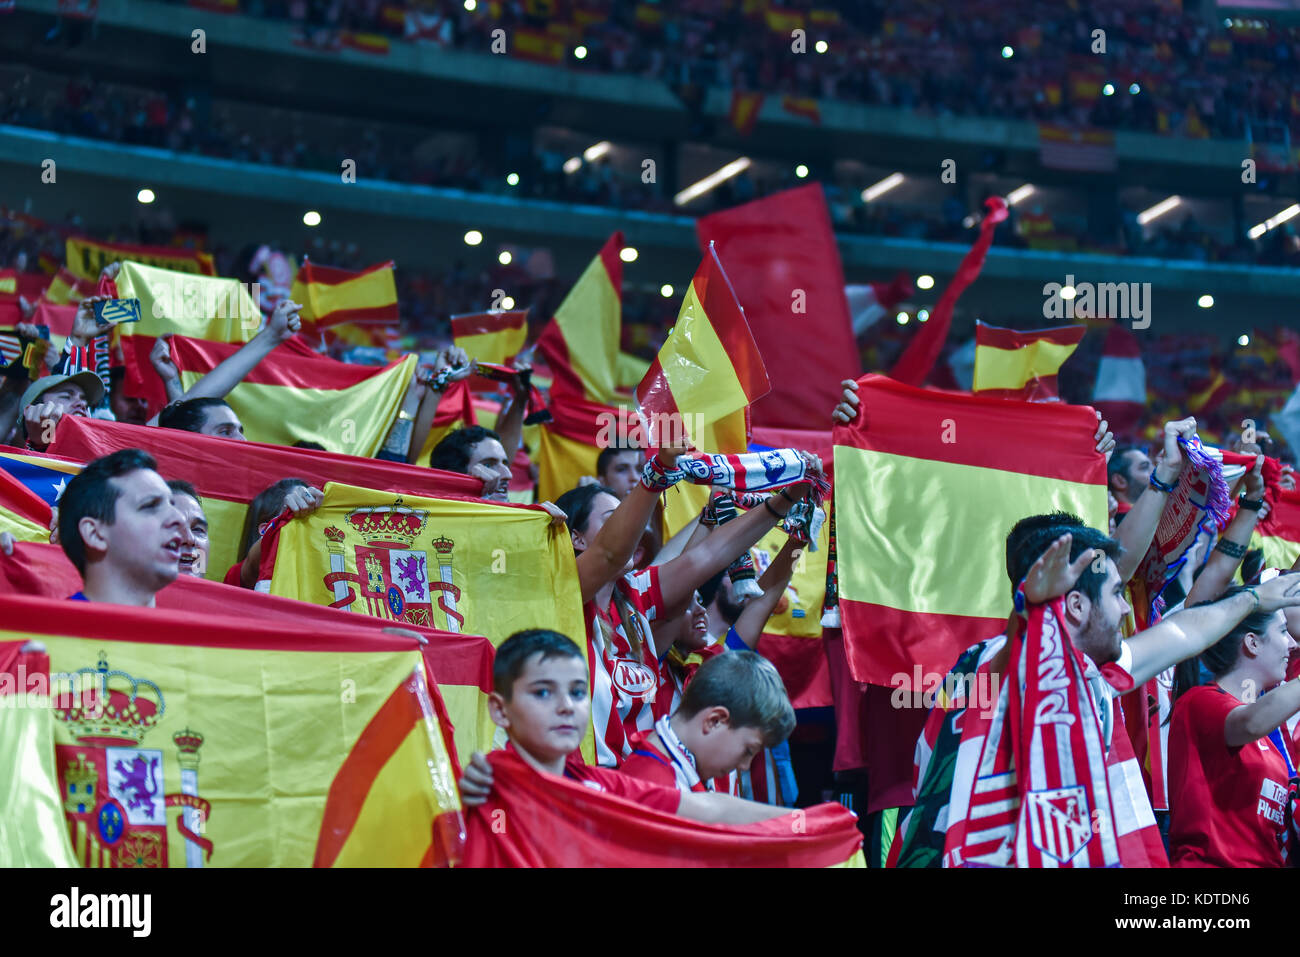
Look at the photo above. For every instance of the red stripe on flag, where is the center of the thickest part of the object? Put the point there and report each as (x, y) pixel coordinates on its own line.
(1000, 338)
(723, 310)
(311, 272)
(900, 639)
(282, 368)
(978, 430)
(487, 323)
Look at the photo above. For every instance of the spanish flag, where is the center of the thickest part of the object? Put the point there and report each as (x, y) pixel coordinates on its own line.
(925, 494)
(461, 664)
(375, 44)
(709, 367)
(555, 822)
(184, 304)
(86, 258)
(67, 288)
(744, 111)
(1279, 534)
(538, 46)
(295, 395)
(581, 343)
(568, 445)
(804, 106)
(204, 461)
(330, 296)
(1011, 364)
(179, 740)
(495, 337)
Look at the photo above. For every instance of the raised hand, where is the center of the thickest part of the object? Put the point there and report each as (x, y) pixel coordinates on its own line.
(1054, 575)
(1169, 465)
(85, 326)
(476, 783)
(303, 500)
(285, 322)
(1104, 438)
(1280, 592)
(160, 357)
(847, 409)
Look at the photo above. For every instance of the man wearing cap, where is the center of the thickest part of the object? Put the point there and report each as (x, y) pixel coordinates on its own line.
(50, 398)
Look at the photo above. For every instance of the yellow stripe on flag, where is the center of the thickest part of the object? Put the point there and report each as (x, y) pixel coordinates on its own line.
(33, 832)
(560, 463)
(367, 291)
(201, 307)
(1278, 551)
(494, 347)
(1013, 368)
(967, 507)
(682, 503)
(629, 370)
(354, 420)
(802, 618)
(701, 376)
(589, 319)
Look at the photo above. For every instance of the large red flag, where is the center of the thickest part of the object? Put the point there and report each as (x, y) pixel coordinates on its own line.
(781, 256)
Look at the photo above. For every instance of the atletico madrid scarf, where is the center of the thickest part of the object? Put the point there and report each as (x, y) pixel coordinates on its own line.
(1035, 784)
(753, 471)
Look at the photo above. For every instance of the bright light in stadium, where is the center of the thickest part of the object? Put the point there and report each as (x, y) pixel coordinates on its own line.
(1134, 88)
(695, 190)
(580, 52)
(512, 179)
(145, 195)
(925, 282)
(508, 302)
(884, 186)
(1259, 229)
(923, 315)
(628, 254)
(1206, 301)
(1067, 292)
(822, 46)
(311, 218)
(504, 257)
(595, 151)
(1243, 340)
(1008, 53)
(473, 237)
(902, 318)
(801, 171)
(572, 165)
(1108, 89)
(1019, 193)
(470, 5)
(666, 291)
(1159, 209)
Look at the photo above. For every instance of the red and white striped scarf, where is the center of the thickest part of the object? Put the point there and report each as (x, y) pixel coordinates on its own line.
(752, 471)
(1035, 784)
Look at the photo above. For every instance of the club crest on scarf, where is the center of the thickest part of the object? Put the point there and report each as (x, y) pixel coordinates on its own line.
(392, 576)
(1060, 823)
(113, 788)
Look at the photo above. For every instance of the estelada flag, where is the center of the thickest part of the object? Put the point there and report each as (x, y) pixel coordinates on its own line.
(744, 111)
(555, 822)
(296, 395)
(495, 337)
(461, 664)
(204, 461)
(709, 366)
(925, 494)
(329, 295)
(580, 344)
(184, 304)
(178, 740)
(86, 258)
(1015, 364)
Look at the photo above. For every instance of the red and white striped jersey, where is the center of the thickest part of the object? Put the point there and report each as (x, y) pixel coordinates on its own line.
(624, 684)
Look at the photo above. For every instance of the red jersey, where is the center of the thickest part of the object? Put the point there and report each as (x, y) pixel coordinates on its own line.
(624, 678)
(1227, 805)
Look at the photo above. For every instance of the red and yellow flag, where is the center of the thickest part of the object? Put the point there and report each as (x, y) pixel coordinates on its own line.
(1279, 534)
(538, 46)
(178, 740)
(330, 296)
(804, 106)
(1011, 364)
(709, 367)
(925, 494)
(495, 337)
(66, 288)
(86, 258)
(744, 111)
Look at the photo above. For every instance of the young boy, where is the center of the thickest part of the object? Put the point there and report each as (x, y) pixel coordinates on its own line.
(541, 698)
(734, 706)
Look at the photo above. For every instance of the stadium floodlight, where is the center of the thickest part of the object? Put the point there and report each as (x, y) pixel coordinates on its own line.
(1135, 88)
(666, 291)
(1108, 89)
(902, 318)
(801, 171)
(1159, 209)
(923, 314)
(580, 52)
(470, 5)
(713, 180)
(473, 237)
(1019, 193)
(508, 302)
(822, 46)
(1067, 292)
(504, 257)
(925, 282)
(512, 179)
(595, 151)
(1206, 301)
(572, 164)
(1243, 340)
(1008, 53)
(1259, 229)
(884, 186)
(145, 196)
(628, 254)
(311, 218)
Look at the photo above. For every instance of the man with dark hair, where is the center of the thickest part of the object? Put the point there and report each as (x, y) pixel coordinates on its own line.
(130, 409)
(51, 397)
(475, 451)
(194, 545)
(1128, 473)
(118, 526)
(619, 469)
(206, 415)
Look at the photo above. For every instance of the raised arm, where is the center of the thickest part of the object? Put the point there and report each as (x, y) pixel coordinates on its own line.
(1261, 717)
(283, 325)
(749, 624)
(1216, 574)
(1139, 526)
(510, 420)
(453, 357)
(397, 444)
(1189, 632)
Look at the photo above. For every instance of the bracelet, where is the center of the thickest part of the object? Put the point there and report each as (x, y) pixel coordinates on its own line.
(767, 504)
(1251, 504)
(655, 477)
(1158, 485)
(1258, 602)
(1230, 548)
